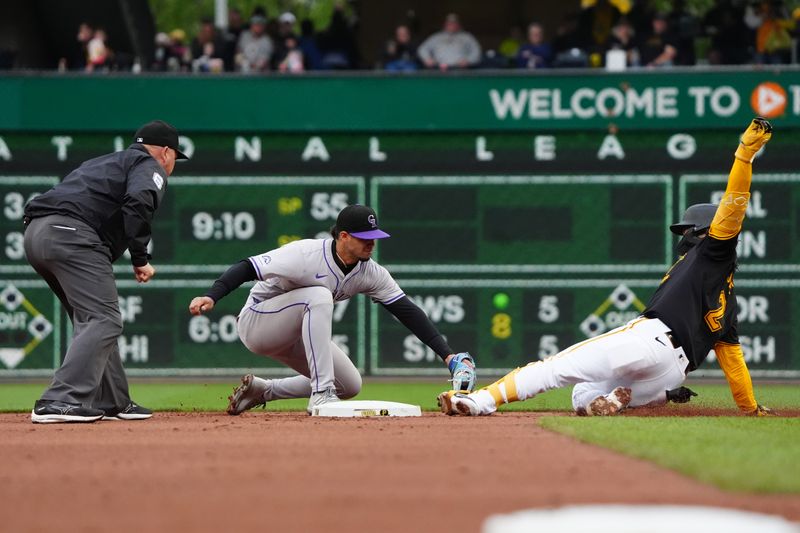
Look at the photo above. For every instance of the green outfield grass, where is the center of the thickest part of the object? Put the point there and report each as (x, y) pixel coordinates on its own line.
(734, 453)
(198, 396)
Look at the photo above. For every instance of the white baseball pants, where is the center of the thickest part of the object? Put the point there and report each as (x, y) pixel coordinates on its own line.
(638, 355)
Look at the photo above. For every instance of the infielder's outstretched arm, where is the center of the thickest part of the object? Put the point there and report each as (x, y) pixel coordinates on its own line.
(231, 279)
(418, 323)
(461, 365)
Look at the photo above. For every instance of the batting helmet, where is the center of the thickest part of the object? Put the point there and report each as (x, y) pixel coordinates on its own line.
(697, 218)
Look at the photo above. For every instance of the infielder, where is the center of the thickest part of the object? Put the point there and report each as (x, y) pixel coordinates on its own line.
(289, 313)
(646, 361)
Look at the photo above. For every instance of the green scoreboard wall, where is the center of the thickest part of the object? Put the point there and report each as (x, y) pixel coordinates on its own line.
(513, 268)
(517, 242)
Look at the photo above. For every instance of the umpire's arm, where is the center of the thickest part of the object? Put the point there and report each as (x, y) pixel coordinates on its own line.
(142, 198)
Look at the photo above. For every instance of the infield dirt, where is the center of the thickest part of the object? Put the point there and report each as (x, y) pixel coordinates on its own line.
(267, 471)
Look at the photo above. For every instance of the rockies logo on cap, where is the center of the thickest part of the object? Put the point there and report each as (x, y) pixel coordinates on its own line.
(360, 221)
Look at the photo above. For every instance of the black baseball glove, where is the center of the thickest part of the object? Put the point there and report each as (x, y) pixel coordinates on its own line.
(680, 395)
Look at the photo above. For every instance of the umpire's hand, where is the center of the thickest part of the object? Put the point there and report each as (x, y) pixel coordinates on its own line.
(144, 273)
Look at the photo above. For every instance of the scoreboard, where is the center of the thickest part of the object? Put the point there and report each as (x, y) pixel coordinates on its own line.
(502, 224)
(770, 239)
(512, 268)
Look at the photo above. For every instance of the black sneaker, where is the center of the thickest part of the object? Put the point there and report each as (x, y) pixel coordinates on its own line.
(54, 411)
(131, 412)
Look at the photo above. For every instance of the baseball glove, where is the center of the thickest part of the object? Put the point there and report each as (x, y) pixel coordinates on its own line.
(680, 395)
(462, 371)
(763, 410)
(757, 134)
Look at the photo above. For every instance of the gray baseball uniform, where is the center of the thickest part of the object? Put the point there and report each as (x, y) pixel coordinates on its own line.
(289, 313)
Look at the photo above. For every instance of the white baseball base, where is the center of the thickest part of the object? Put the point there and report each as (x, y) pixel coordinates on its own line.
(637, 518)
(364, 408)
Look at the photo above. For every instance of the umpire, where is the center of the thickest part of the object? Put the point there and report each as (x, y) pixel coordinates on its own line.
(73, 233)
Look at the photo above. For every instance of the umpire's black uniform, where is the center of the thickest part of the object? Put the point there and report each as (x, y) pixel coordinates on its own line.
(73, 233)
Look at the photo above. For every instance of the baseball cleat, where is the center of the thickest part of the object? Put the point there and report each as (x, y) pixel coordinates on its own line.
(445, 403)
(455, 402)
(54, 412)
(132, 411)
(465, 405)
(321, 398)
(251, 393)
(610, 404)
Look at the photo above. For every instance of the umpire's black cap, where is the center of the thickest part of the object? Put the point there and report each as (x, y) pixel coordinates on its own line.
(359, 221)
(159, 133)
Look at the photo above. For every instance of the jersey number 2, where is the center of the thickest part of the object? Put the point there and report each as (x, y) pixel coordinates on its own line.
(714, 317)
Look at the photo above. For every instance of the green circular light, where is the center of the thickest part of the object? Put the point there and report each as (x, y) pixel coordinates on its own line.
(501, 300)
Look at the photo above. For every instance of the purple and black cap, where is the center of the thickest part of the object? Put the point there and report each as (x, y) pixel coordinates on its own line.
(359, 221)
(159, 133)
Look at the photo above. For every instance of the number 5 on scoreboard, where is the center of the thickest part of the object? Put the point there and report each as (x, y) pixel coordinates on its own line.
(326, 206)
(548, 345)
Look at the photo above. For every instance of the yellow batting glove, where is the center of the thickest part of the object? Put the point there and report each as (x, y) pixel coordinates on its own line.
(754, 137)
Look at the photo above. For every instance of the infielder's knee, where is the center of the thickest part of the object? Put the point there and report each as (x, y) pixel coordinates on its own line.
(349, 387)
(318, 297)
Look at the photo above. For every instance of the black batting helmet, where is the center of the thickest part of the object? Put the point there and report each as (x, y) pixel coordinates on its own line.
(697, 218)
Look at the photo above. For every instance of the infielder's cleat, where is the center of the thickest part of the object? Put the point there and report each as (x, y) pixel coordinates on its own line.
(610, 404)
(53, 412)
(132, 411)
(251, 393)
(321, 398)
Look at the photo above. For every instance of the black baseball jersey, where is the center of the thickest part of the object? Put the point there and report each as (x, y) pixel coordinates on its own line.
(696, 298)
(116, 194)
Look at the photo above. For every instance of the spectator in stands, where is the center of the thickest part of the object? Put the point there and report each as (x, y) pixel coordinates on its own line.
(255, 48)
(77, 58)
(208, 49)
(724, 25)
(567, 44)
(180, 56)
(283, 31)
(594, 27)
(536, 53)
(400, 53)
(161, 53)
(657, 49)
(773, 37)
(337, 43)
(308, 45)
(292, 61)
(231, 37)
(98, 53)
(509, 47)
(685, 28)
(450, 48)
(623, 38)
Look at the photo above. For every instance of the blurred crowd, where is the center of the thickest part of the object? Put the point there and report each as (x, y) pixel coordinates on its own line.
(732, 32)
